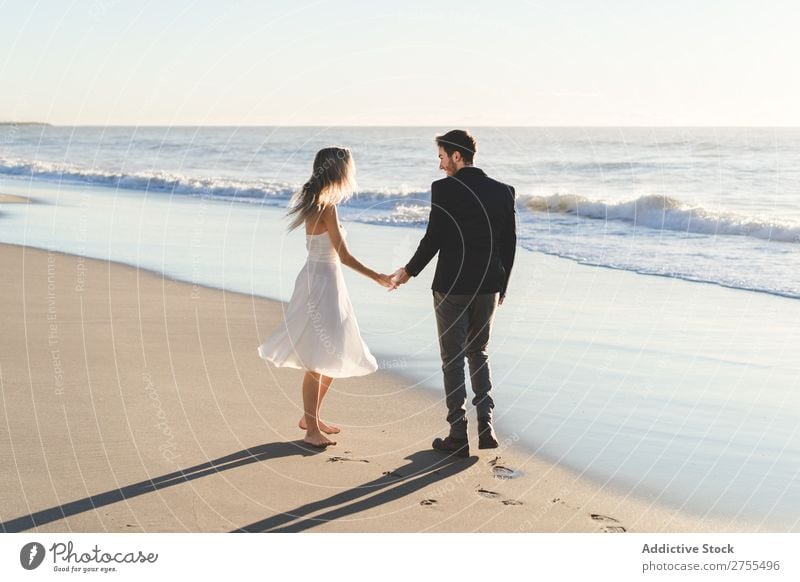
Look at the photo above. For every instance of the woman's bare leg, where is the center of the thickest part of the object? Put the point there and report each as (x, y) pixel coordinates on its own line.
(312, 386)
(324, 385)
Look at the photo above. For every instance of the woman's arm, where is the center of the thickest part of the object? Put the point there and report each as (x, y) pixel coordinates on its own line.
(330, 217)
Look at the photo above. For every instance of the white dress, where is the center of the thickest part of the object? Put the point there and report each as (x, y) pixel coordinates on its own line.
(319, 332)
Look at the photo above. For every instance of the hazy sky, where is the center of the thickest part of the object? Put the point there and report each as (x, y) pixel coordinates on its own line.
(611, 62)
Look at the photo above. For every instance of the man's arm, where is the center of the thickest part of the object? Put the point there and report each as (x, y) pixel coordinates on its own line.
(508, 241)
(431, 242)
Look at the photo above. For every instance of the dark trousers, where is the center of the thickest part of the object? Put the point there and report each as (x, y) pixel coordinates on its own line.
(464, 323)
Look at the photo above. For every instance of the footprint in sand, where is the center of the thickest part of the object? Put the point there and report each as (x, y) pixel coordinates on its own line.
(488, 494)
(503, 473)
(500, 471)
(497, 496)
(341, 459)
(611, 525)
(394, 474)
(428, 502)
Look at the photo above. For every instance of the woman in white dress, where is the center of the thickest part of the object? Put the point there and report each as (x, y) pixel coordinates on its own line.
(319, 333)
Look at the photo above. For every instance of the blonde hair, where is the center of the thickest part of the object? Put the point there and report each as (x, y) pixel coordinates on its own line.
(332, 181)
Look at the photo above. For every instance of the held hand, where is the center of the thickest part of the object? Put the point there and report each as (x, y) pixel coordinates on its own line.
(399, 277)
(384, 280)
(500, 301)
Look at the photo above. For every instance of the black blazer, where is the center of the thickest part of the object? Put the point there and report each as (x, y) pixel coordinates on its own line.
(472, 226)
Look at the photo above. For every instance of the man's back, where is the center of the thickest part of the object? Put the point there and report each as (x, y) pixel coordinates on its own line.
(472, 226)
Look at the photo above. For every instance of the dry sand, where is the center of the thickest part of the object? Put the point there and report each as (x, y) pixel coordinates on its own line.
(132, 402)
(12, 199)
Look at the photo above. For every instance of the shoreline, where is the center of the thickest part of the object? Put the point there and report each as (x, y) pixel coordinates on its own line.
(76, 185)
(425, 494)
(427, 396)
(595, 366)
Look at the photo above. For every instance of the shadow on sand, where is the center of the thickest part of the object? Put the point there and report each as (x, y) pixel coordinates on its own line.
(424, 468)
(244, 457)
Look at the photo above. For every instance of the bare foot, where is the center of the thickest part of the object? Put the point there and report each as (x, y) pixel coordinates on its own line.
(317, 439)
(326, 428)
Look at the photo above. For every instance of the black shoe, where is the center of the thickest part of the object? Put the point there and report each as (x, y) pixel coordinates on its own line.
(457, 447)
(486, 437)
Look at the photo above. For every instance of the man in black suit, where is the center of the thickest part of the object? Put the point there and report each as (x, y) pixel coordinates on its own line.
(472, 225)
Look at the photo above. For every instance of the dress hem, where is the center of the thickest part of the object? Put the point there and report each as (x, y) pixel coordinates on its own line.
(330, 374)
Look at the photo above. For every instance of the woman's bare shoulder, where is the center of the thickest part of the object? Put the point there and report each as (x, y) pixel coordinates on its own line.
(315, 224)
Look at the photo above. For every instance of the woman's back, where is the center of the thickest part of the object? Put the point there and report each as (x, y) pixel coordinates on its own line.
(315, 225)
(320, 249)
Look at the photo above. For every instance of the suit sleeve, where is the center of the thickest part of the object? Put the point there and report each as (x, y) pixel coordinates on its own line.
(508, 244)
(431, 242)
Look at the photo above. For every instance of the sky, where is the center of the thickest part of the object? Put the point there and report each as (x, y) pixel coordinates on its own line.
(474, 63)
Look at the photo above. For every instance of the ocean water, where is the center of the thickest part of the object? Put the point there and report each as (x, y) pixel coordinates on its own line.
(683, 393)
(714, 205)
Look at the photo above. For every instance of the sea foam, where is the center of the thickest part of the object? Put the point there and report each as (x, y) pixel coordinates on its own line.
(667, 213)
(251, 190)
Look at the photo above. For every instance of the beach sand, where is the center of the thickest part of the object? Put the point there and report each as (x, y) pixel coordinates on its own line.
(12, 199)
(133, 402)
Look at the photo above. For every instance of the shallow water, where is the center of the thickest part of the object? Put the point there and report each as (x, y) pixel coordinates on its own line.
(719, 205)
(679, 392)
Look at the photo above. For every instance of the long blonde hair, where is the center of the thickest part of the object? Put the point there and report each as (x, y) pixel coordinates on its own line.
(332, 181)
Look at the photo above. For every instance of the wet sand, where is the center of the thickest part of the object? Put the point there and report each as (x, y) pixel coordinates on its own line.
(133, 402)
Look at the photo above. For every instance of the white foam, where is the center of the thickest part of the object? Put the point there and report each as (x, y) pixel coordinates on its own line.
(252, 190)
(666, 213)
(146, 181)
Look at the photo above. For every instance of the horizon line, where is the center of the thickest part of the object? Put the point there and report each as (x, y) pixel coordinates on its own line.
(593, 126)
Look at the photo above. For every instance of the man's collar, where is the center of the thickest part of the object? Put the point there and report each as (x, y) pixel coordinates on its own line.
(470, 169)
